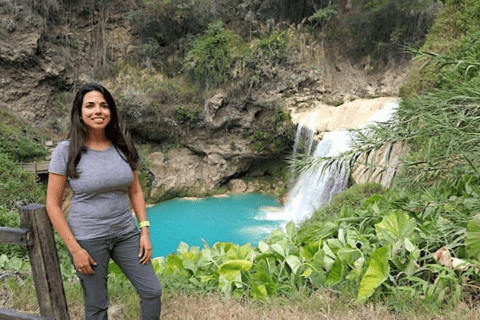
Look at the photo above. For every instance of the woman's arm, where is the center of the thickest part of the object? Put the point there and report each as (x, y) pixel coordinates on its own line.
(55, 190)
(138, 202)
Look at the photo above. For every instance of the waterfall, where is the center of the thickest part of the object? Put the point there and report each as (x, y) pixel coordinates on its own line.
(305, 132)
(316, 187)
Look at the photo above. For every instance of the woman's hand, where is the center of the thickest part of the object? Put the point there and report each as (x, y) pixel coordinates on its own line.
(145, 253)
(83, 261)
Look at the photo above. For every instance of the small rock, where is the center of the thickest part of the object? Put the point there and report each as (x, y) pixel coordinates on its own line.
(237, 186)
(115, 312)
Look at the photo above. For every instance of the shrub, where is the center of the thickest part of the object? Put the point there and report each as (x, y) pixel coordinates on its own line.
(16, 185)
(210, 59)
(17, 139)
(284, 136)
(187, 116)
(270, 49)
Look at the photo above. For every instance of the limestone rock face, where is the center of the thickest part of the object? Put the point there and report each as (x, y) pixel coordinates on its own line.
(185, 169)
(234, 132)
(351, 114)
(39, 60)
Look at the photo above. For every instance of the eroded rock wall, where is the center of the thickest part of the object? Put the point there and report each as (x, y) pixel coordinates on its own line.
(219, 149)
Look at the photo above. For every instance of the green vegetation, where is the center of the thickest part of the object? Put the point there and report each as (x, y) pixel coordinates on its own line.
(429, 217)
(211, 57)
(451, 35)
(187, 116)
(17, 187)
(19, 140)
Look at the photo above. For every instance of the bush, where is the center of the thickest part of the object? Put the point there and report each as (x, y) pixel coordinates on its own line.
(17, 187)
(16, 139)
(284, 131)
(212, 55)
(187, 116)
(453, 34)
(270, 49)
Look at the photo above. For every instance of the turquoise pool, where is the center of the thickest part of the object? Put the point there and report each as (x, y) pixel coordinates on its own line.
(238, 219)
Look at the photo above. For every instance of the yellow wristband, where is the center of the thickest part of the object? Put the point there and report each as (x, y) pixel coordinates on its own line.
(144, 224)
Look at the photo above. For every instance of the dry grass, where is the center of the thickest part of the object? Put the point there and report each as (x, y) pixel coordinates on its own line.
(216, 307)
(19, 294)
(321, 306)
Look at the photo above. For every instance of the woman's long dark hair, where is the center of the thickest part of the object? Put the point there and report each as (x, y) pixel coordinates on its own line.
(113, 131)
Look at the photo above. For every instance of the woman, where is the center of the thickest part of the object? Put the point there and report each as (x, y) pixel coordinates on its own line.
(99, 162)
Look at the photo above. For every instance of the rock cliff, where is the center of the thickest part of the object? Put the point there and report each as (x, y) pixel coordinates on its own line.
(234, 134)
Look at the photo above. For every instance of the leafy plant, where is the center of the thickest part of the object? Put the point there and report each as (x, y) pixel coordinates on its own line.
(187, 116)
(211, 57)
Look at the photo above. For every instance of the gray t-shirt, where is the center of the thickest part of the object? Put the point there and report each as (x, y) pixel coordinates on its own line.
(100, 206)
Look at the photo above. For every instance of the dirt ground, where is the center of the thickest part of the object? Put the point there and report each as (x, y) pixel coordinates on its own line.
(218, 308)
(223, 308)
(194, 308)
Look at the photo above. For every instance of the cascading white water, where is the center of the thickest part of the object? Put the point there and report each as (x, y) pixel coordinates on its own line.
(305, 133)
(316, 187)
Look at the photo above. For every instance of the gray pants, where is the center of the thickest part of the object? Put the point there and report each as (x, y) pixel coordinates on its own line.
(124, 251)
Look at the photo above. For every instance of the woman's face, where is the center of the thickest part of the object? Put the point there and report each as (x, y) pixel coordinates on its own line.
(95, 111)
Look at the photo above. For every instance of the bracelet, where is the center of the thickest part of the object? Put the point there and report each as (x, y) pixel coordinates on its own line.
(144, 224)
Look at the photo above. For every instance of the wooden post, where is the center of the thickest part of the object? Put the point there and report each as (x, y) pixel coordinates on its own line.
(6, 314)
(44, 261)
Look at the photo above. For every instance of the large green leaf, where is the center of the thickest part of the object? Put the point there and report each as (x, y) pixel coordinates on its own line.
(14, 263)
(231, 269)
(276, 236)
(310, 249)
(182, 247)
(377, 272)
(348, 254)
(258, 291)
(357, 269)
(174, 262)
(224, 285)
(335, 274)
(3, 260)
(317, 262)
(223, 247)
(395, 225)
(207, 254)
(329, 257)
(472, 237)
(189, 265)
(278, 249)
(262, 246)
(246, 252)
(262, 276)
(291, 230)
(159, 264)
(294, 263)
